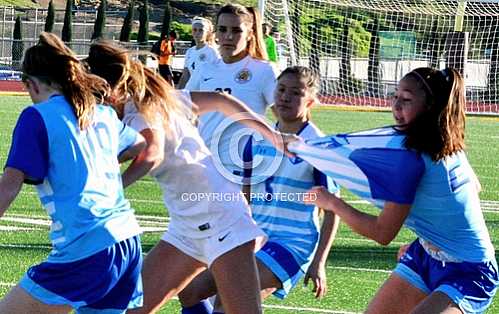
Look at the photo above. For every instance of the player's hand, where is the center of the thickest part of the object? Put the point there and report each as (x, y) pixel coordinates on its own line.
(317, 274)
(320, 196)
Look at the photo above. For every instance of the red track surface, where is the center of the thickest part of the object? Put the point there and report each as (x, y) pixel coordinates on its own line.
(12, 86)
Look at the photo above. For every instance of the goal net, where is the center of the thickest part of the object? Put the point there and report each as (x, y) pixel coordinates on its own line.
(362, 48)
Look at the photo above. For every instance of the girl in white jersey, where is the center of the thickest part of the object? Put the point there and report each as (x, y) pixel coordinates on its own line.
(68, 146)
(204, 51)
(451, 267)
(244, 72)
(210, 223)
(295, 247)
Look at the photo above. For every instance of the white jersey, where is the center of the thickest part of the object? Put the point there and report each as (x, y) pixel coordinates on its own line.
(251, 81)
(194, 57)
(199, 200)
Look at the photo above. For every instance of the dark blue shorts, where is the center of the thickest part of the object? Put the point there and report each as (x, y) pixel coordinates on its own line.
(108, 280)
(470, 285)
(280, 261)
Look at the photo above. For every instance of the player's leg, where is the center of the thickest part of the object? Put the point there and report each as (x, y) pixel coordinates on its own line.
(437, 302)
(167, 270)
(237, 281)
(194, 297)
(18, 301)
(395, 296)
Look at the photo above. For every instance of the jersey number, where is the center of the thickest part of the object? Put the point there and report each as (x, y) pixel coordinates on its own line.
(224, 90)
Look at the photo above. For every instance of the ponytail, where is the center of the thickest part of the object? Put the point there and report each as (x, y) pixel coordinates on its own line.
(53, 63)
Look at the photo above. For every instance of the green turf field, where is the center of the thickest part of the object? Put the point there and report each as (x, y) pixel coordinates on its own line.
(356, 266)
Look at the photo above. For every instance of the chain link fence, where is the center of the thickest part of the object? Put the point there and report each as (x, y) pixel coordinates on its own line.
(33, 23)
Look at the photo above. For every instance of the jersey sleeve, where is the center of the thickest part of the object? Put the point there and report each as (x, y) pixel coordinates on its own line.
(320, 179)
(269, 85)
(187, 58)
(29, 151)
(127, 135)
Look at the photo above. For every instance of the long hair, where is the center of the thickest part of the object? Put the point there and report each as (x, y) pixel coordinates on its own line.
(249, 15)
(311, 79)
(438, 131)
(128, 78)
(56, 65)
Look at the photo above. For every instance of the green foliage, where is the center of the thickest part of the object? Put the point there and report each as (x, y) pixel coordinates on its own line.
(126, 29)
(143, 36)
(17, 45)
(100, 22)
(167, 17)
(49, 22)
(67, 28)
(183, 30)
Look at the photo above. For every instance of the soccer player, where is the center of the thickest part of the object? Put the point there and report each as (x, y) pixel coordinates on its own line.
(295, 247)
(242, 72)
(451, 267)
(203, 52)
(68, 147)
(270, 43)
(210, 224)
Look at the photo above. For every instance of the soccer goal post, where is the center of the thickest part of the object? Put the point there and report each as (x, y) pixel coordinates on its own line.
(362, 48)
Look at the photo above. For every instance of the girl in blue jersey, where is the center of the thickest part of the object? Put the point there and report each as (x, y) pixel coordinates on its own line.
(210, 225)
(295, 246)
(451, 267)
(68, 146)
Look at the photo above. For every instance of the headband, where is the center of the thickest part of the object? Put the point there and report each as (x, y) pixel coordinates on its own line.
(203, 22)
(423, 80)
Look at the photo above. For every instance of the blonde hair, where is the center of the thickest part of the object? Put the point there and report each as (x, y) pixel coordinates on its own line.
(53, 63)
(256, 45)
(208, 28)
(128, 78)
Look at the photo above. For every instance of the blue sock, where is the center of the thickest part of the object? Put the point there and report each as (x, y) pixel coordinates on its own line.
(217, 313)
(203, 307)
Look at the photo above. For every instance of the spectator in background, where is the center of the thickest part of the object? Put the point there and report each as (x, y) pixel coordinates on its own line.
(166, 53)
(270, 43)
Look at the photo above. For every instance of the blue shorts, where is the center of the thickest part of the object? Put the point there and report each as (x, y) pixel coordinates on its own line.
(470, 285)
(106, 282)
(280, 261)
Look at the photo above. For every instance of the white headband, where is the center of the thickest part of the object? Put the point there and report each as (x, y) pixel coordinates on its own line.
(200, 21)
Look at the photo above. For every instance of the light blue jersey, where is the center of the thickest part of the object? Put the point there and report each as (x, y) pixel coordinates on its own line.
(277, 202)
(78, 176)
(446, 210)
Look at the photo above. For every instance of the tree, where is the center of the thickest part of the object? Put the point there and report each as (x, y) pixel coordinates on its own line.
(49, 22)
(100, 22)
(126, 29)
(346, 55)
(17, 44)
(143, 35)
(165, 28)
(67, 28)
(373, 75)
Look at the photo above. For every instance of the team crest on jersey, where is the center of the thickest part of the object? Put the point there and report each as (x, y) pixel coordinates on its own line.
(243, 76)
(202, 57)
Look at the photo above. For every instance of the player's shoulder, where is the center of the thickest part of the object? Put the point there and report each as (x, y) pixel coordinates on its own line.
(311, 131)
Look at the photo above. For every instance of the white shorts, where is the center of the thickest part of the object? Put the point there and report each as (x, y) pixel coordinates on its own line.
(207, 250)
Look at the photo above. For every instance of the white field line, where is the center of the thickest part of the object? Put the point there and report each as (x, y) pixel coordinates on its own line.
(372, 270)
(12, 228)
(7, 284)
(305, 309)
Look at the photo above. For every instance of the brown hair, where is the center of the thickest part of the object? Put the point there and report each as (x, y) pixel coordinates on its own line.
(312, 80)
(256, 45)
(55, 64)
(439, 131)
(128, 78)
